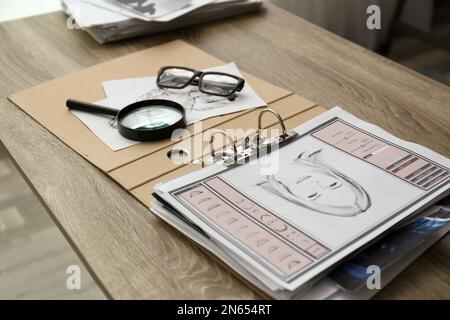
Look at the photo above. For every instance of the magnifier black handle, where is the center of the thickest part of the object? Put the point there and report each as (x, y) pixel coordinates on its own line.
(90, 107)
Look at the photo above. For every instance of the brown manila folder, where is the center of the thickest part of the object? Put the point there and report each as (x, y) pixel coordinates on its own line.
(138, 168)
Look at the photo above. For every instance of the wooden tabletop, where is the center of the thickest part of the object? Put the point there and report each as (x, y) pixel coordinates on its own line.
(130, 252)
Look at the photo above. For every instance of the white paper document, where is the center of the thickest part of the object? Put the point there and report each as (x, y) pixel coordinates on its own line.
(151, 8)
(108, 21)
(198, 105)
(290, 216)
(103, 127)
(91, 13)
(124, 13)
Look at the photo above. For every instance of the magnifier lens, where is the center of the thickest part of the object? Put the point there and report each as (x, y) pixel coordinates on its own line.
(151, 118)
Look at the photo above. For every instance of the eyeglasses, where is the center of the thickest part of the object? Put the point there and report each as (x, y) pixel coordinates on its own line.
(211, 82)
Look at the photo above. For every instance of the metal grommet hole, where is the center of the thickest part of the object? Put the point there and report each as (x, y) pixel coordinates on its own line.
(178, 154)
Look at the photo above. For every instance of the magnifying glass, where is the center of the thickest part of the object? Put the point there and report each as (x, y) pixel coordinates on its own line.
(146, 120)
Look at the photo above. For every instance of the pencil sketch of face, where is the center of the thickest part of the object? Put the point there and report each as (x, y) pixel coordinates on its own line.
(309, 182)
(190, 98)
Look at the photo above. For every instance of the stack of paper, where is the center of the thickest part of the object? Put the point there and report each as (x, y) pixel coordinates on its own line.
(342, 195)
(112, 20)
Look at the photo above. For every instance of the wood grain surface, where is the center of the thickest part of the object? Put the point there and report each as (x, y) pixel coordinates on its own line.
(131, 253)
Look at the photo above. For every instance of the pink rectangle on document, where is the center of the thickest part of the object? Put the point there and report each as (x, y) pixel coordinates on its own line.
(387, 157)
(270, 220)
(349, 140)
(405, 172)
(250, 235)
(375, 151)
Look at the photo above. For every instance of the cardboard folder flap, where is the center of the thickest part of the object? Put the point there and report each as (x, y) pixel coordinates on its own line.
(158, 163)
(46, 102)
(144, 192)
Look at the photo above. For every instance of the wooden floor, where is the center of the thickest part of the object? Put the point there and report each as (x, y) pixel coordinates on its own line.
(34, 255)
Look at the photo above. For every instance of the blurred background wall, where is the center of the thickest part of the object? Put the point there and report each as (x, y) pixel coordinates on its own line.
(347, 18)
(414, 33)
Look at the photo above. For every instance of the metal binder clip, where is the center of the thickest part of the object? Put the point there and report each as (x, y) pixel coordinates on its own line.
(257, 145)
(252, 146)
(280, 120)
(264, 141)
(226, 156)
(258, 141)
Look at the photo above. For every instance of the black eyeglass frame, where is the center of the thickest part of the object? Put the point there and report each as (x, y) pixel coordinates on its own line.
(197, 79)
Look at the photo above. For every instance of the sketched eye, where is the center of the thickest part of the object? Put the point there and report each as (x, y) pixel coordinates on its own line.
(312, 195)
(334, 185)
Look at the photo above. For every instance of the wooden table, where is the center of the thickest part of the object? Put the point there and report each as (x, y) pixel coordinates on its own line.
(131, 253)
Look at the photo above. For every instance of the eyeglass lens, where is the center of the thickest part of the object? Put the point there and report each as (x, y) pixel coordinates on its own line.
(212, 83)
(218, 84)
(175, 77)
